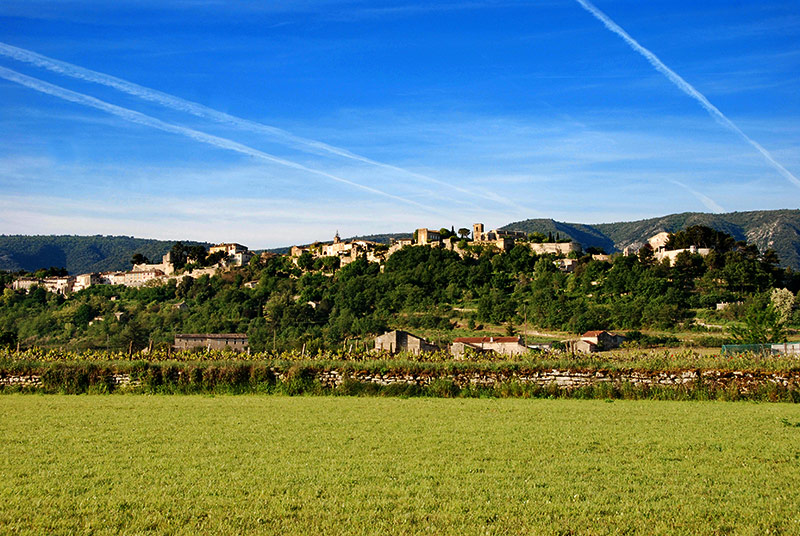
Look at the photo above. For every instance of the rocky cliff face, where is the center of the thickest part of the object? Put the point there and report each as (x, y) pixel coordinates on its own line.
(767, 229)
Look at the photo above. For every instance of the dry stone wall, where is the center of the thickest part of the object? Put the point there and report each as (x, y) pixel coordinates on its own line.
(564, 379)
(570, 379)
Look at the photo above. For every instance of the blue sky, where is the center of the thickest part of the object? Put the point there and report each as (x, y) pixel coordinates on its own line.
(371, 117)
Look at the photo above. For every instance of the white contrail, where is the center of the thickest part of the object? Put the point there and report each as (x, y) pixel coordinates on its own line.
(142, 119)
(686, 87)
(199, 110)
(709, 203)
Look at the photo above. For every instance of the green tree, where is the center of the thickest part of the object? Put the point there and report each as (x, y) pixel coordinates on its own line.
(306, 261)
(179, 254)
(138, 258)
(762, 324)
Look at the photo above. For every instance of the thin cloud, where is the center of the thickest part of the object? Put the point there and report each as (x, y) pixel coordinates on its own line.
(709, 203)
(223, 143)
(176, 103)
(686, 87)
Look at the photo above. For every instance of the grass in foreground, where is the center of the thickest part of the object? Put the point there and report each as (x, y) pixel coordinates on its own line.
(330, 465)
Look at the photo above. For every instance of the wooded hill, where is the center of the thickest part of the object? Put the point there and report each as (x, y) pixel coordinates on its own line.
(433, 292)
(78, 254)
(775, 229)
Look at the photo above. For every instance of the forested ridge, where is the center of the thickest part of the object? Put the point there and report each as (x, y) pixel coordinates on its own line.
(78, 254)
(766, 229)
(432, 291)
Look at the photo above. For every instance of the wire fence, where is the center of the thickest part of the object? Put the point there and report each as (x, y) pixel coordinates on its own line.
(769, 349)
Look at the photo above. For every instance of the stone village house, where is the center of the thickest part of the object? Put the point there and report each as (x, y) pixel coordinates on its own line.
(402, 341)
(594, 341)
(501, 345)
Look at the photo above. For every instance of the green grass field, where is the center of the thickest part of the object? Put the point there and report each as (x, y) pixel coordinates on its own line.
(347, 465)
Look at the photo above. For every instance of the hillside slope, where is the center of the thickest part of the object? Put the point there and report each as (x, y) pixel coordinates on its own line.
(78, 254)
(776, 229)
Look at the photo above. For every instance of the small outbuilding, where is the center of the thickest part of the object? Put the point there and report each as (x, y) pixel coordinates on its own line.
(500, 345)
(594, 341)
(603, 339)
(402, 341)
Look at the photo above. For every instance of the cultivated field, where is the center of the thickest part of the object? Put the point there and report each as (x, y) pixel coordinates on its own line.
(349, 465)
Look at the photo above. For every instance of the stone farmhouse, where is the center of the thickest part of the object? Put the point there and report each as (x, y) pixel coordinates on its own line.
(594, 341)
(502, 345)
(401, 341)
(212, 341)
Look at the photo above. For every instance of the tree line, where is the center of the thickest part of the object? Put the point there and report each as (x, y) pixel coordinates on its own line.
(315, 304)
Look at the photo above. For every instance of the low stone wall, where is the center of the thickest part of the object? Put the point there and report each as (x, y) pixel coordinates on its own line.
(569, 379)
(563, 379)
(35, 381)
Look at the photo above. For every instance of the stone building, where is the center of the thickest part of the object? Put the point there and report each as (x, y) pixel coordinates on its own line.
(428, 237)
(502, 240)
(56, 284)
(594, 341)
(672, 254)
(500, 345)
(84, 281)
(238, 254)
(138, 279)
(555, 248)
(165, 266)
(26, 283)
(396, 245)
(212, 341)
(402, 341)
(603, 339)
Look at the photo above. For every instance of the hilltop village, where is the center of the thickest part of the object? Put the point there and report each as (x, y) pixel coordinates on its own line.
(470, 291)
(340, 253)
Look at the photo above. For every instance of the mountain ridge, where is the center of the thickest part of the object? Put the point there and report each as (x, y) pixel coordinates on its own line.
(78, 254)
(775, 229)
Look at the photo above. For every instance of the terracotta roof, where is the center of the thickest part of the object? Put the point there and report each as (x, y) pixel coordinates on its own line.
(480, 340)
(594, 333)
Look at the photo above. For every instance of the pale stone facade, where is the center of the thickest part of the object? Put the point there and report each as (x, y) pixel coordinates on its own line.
(555, 248)
(138, 279)
(594, 341)
(428, 237)
(402, 341)
(672, 254)
(57, 285)
(238, 254)
(502, 240)
(500, 345)
(165, 266)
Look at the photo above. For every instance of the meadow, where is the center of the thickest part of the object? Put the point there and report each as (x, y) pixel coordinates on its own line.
(363, 465)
